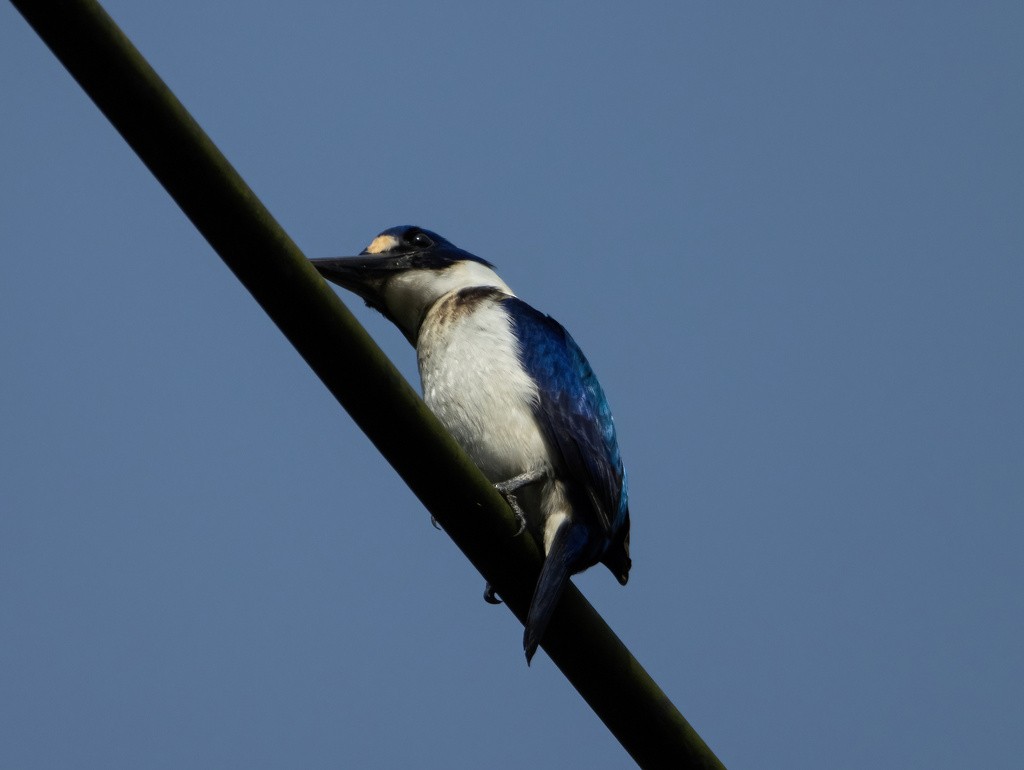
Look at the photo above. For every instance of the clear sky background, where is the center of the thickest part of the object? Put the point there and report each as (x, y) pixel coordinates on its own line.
(790, 238)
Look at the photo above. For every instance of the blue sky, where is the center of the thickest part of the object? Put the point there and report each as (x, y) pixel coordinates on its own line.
(789, 239)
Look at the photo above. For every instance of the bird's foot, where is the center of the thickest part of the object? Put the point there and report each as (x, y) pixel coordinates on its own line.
(506, 488)
(520, 516)
(489, 596)
(434, 524)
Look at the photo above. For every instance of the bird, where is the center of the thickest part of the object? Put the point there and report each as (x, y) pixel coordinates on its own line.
(515, 391)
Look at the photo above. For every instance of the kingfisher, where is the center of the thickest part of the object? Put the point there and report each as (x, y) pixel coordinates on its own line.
(515, 391)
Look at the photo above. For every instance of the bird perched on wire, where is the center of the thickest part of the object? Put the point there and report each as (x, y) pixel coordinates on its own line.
(517, 394)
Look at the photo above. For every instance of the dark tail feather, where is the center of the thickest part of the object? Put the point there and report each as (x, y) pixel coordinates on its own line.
(566, 546)
(616, 558)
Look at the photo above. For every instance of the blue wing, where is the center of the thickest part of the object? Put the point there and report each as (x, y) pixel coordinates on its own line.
(575, 417)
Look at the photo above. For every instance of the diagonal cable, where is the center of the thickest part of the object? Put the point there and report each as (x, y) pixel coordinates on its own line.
(262, 256)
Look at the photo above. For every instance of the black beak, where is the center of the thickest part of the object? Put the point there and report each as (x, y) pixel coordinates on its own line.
(364, 275)
(346, 270)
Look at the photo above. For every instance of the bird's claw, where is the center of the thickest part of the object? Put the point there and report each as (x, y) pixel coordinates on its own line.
(489, 596)
(521, 519)
(514, 505)
(506, 488)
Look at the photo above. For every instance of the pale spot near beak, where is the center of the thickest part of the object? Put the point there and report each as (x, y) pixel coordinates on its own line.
(381, 244)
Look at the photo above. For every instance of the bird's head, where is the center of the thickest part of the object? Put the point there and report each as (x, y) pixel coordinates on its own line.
(407, 269)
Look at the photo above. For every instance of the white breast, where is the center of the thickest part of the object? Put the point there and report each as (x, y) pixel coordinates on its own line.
(473, 382)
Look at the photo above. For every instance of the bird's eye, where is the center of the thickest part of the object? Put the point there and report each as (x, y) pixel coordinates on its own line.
(420, 240)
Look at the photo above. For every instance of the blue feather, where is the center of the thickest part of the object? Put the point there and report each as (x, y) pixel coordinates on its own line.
(577, 422)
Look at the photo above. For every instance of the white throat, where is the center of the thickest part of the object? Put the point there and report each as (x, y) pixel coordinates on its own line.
(409, 295)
